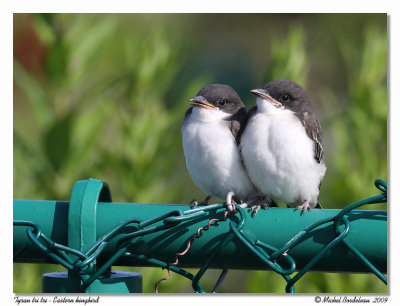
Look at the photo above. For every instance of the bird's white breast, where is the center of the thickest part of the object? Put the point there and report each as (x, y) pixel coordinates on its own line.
(279, 157)
(212, 156)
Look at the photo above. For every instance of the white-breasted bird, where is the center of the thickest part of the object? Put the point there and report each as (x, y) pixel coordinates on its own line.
(281, 145)
(210, 136)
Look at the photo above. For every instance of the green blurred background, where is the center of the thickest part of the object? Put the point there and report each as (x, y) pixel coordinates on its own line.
(104, 95)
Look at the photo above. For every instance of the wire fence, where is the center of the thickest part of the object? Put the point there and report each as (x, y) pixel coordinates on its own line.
(276, 258)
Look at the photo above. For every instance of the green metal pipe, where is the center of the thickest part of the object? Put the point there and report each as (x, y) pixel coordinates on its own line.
(275, 227)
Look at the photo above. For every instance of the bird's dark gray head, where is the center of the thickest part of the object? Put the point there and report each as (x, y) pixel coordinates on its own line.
(219, 97)
(285, 94)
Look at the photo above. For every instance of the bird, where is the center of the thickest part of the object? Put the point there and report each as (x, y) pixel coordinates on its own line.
(281, 145)
(211, 133)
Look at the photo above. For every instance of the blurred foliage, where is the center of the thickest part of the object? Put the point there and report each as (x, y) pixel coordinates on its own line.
(104, 96)
(359, 129)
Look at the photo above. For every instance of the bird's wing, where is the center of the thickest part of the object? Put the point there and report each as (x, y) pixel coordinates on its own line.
(251, 112)
(187, 114)
(237, 124)
(314, 132)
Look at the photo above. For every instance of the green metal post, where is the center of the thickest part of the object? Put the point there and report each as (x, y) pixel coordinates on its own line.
(81, 235)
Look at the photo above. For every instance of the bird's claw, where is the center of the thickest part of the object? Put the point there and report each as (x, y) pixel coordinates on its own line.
(255, 208)
(195, 203)
(255, 204)
(305, 206)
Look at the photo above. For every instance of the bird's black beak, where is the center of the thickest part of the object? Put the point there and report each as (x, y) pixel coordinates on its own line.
(200, 101)
(263, 94)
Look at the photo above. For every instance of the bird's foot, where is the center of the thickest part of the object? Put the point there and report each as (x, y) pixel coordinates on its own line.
(305, 206)
(250, 202)
(195, 203)
(255, 208)
(258, 202)
(263, 204)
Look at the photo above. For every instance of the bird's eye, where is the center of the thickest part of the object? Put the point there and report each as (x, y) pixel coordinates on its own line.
(285, 98)
(222, 102)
